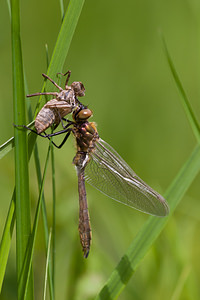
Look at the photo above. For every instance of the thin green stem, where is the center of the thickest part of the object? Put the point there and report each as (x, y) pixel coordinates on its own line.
(23, 220)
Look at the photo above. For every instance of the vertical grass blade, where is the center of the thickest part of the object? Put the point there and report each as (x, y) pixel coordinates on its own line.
(23, 222)
(181, 282)
(65, 36)
(47, 263)
(35, 226)
(6, 239)
(44, 217)
(62, 9)
(184, 100)
(53, 214)
(9, 225)
(150, 231)
(63, 41)
(51, 266)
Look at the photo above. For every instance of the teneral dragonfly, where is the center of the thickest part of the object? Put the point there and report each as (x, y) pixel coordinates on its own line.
(101, 166)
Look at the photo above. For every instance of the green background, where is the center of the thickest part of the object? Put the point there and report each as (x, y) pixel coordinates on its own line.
(117, 53)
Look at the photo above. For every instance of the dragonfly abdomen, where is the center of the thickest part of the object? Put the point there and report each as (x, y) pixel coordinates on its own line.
(84, 219)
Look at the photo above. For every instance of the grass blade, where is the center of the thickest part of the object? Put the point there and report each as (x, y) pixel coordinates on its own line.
(6, 239)
(47, 262)
(7, 147)
(9, 224)
(184, 100)
(44, 216)
(65, 37)
(51, 266)
(53, 214)
(150, 231)
(181, 282)
(63, 42)
(62, 9)
(9, 144)
(23, 221)
(34, 231)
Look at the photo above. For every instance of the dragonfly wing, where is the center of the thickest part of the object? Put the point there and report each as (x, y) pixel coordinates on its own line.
(111, 175)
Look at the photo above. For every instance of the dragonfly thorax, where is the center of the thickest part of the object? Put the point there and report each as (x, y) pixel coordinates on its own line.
(86, 136)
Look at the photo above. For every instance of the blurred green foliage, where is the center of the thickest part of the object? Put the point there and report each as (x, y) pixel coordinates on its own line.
(117, 53)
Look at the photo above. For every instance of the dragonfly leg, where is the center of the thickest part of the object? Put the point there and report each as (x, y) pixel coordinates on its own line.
(28, 128)
(64, 140)
(45, 93)
(66, 130)
(68, 76)
(47, 77)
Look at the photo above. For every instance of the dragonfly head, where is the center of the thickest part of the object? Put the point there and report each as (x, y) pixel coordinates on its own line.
(78, 88)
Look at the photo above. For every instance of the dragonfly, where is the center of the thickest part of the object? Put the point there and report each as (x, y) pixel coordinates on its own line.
(101, 166)
(96, 161)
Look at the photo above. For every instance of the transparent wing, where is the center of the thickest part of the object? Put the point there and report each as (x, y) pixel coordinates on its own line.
(111, 175)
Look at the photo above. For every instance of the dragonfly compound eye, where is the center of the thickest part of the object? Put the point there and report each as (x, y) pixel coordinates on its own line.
(78, 88)
(84, 114)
